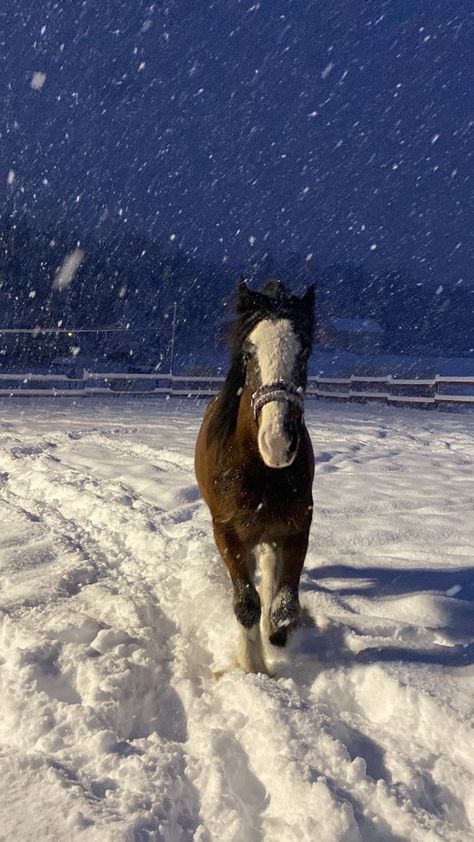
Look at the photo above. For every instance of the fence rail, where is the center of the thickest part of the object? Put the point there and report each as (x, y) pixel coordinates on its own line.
(395, 390)
(391, 390)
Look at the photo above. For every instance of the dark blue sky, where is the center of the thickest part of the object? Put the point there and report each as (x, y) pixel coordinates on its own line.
(340, 129)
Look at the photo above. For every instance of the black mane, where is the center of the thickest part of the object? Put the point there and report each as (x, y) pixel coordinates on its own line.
(273, 301)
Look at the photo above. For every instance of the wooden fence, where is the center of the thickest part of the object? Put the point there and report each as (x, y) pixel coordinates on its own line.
(433, 391)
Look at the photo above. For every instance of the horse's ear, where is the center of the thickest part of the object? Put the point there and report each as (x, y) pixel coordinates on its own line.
(245, 296)
(308, 298)
(242, 288)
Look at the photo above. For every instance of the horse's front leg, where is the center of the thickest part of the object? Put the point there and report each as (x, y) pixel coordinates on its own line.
(247, 609)
(286, 611)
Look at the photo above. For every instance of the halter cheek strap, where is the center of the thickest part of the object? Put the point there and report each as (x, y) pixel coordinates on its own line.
(279, 391)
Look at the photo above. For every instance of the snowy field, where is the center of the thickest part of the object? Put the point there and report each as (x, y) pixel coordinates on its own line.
(115, 610)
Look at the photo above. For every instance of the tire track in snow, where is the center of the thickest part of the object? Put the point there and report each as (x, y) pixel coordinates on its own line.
(144, 645)
(237, 785)
(260, 754)
(276, 757)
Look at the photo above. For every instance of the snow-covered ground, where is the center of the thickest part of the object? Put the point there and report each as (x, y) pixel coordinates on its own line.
(115, 610)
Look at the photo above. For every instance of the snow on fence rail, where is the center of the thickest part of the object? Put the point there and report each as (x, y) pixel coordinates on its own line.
(394, 390)
(391, 390)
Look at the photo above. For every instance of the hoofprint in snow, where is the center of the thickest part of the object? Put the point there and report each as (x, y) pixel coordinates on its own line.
(115, 610)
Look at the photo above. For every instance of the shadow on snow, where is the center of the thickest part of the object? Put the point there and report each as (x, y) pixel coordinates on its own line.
(452, 592)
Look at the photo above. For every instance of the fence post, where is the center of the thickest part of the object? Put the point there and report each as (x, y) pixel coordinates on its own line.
(173, 339)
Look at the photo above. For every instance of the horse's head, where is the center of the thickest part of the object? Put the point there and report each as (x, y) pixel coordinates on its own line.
(276, 344)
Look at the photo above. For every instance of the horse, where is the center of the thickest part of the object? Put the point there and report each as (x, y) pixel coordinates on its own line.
(254, 465)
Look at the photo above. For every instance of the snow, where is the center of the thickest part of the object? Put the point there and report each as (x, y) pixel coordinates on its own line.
(355, 325)
(332, 363)
(66, 272)
(37, 80)
(116, 610)
(327, 70)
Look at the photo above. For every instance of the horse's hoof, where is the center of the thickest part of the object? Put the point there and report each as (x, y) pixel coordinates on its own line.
(247, 607)
(285, 612)
(285, 616)
(279, 637)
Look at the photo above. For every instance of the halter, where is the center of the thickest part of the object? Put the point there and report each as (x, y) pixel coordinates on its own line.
(279, 391)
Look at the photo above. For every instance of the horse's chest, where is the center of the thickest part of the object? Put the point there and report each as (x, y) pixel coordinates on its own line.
(275, 494)
(255, 498)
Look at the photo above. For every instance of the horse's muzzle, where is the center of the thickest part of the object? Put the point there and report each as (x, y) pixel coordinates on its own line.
(277, 448)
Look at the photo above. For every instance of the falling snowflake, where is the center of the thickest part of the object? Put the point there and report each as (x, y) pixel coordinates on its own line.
(37, 80)
(325, 73)
(65, 274)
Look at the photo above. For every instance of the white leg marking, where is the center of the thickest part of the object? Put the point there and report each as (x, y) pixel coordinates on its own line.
(250, 655)
(269, 564)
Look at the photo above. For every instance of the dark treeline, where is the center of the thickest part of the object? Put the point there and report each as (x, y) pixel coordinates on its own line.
(129, 282)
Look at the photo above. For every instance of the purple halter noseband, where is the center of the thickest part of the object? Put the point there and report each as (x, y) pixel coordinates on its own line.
(279, 391)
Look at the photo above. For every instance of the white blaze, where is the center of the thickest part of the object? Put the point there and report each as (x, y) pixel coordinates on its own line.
(276, 347)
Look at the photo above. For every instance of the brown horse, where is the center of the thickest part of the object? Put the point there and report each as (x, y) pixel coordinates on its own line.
(255, 464)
